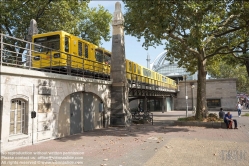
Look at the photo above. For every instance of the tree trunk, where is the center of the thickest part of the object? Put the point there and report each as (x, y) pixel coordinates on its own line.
(247, 66)
(201, 110)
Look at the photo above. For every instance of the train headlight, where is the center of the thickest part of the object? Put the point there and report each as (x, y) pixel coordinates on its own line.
(37, 58)
(57, 55)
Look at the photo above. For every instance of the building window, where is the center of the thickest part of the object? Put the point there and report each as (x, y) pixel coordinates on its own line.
(213, 103)
(17, 117)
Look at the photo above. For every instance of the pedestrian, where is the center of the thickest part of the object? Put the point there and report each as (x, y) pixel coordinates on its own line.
(239, 107)
(140, 107)
(221, 113)
(228, 119)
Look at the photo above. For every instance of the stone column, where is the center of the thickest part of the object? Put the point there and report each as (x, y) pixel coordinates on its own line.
(120, 114)
(31, 31)
(164, 105)
(1, 110)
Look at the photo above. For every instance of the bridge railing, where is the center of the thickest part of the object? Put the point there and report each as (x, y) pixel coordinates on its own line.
(19, 53)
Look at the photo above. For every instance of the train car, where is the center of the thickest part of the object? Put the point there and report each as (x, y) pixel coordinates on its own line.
(134, 76)
(139, 73)
(153, 77)
(102, 61)
(129, 70)
(150, 77)
(60, 50)
(133, 72)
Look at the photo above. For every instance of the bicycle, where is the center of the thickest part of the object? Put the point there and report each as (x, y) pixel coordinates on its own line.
(148, 116)
(137, 115)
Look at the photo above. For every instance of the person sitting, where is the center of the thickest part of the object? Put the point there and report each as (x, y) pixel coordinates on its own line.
(228, 120)
(221, 113)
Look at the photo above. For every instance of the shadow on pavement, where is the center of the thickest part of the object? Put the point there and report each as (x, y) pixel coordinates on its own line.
(132, 131)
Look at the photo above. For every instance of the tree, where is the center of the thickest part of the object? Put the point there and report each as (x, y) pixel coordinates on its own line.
(73, 16)
(195, 31)
(222, 69)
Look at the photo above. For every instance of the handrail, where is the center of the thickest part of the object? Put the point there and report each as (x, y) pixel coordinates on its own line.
(25, 59)
(11, 56)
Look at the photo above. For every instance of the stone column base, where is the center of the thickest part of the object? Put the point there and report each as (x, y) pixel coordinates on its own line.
(121, 119)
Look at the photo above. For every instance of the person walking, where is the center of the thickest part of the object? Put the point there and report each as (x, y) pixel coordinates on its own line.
(239, 107)
(140, 109)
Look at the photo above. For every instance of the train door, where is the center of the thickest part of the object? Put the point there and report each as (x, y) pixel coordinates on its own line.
(90, 57)
(128, 69)
(74, 53)
(67, 51)
(98, 66)
(107, 62)
(134, 73)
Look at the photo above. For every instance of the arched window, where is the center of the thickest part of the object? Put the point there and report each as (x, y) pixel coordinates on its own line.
(18, 117)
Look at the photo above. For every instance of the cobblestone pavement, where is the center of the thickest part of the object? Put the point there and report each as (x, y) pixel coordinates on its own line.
(139, 145)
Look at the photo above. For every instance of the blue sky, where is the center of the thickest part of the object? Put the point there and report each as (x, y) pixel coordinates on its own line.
(133, 49)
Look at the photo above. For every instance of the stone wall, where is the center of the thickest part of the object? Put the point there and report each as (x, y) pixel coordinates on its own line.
(44, 93)
(222, 89)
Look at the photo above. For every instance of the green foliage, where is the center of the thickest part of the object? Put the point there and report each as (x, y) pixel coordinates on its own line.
(191, 28)
(221, 69)
(73, 16)
(194, 31)
(246, 114)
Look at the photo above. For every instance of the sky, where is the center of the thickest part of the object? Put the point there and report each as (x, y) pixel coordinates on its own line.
(133, 49)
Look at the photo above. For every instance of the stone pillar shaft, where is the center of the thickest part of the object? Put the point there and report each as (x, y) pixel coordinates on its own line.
(120, 114)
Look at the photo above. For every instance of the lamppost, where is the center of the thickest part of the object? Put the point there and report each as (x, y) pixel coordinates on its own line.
(186, 95)
(192, 87)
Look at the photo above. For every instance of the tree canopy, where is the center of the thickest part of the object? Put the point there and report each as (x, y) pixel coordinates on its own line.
(73, 16)
(222, 69)
(194, 31)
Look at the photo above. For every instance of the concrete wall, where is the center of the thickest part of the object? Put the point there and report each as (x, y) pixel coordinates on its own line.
(133, 105)
(64, 118)
(223, 89)
(50, 99)
(165, 104)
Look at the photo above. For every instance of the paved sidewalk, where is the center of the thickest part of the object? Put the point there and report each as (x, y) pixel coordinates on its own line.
(139, 145)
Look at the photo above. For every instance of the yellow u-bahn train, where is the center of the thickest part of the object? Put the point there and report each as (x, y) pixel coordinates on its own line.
(60, 50)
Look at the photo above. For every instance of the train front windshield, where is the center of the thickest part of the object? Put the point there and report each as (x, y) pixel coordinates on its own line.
(49, 43)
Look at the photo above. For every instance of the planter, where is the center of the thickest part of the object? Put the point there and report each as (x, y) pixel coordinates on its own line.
(217, 125)
(201, 124)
